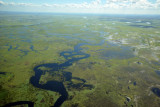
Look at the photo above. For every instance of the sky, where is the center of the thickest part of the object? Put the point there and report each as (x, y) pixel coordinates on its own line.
(83, 6)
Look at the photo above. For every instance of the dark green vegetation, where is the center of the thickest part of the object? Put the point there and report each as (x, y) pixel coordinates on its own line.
(122, 68)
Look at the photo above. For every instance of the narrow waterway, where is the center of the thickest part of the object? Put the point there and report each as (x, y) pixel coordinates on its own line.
(58, 86)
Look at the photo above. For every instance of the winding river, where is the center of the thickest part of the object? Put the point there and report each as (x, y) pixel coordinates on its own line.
(58, 86)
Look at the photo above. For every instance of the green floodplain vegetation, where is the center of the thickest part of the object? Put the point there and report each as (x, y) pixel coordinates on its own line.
(123, 69)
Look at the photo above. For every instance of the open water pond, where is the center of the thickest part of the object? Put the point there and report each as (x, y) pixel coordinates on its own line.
(115, 51)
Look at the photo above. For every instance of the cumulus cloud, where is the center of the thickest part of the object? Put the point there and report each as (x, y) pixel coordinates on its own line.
(47, 5)
(94, 5)
(16, 4)
(96, 2)
(2, 3)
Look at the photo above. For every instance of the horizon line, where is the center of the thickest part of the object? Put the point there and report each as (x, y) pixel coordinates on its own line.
(90, 13)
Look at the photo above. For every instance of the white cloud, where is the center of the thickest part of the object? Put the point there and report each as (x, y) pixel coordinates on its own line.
(16, 4)
(2, 3)
(133, 4)
(96, 2)
(47, 5)
(95, 5)
(114, 4)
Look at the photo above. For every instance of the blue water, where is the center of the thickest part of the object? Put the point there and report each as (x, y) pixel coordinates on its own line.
(57, 86)
(157, 72)
(156, 91)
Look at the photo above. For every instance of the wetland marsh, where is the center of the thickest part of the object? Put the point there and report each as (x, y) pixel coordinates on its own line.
(79, 60)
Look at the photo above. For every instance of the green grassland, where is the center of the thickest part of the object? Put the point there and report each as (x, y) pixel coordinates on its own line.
(122, 69)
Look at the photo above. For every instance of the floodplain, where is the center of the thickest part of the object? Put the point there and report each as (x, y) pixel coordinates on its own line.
(79, 60)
